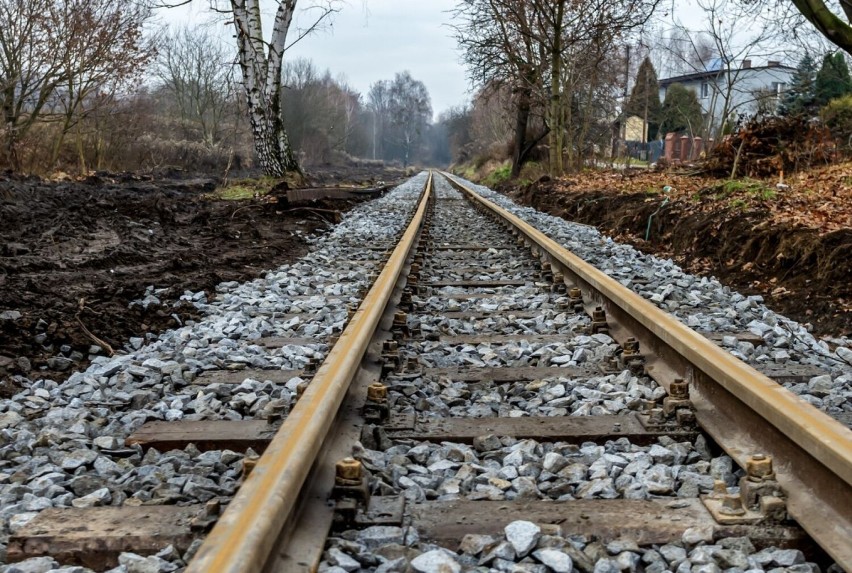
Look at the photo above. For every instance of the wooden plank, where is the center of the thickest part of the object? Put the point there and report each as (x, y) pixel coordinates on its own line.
(235, 435)
(466, 247)
(793, 373)
(239, 376)
(786, 373)
(475, 295)
(490, 374)
(272, 342)
(329, 298)
(467, 315)
(576, 429)
(742, 336)
(475, 284)
(95, 537)
(479, 269)
(499, 339)
(644, 521)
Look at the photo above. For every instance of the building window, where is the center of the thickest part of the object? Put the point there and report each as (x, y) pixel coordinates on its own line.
(779, 87)
(705, 90)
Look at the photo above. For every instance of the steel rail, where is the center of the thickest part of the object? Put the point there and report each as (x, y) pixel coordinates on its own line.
(244, 536)
(743, 410)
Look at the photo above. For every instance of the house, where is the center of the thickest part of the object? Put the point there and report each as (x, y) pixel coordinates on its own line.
(735, 91)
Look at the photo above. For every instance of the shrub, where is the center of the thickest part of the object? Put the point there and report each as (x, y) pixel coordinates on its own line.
(764, 147)
(837, 116)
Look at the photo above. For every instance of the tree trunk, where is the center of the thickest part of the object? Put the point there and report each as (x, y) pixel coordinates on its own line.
(556, 139)
(522, 119)
(271, 142)
(261, 66)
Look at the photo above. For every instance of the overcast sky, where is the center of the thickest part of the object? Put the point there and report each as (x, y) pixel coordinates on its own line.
(372, 40)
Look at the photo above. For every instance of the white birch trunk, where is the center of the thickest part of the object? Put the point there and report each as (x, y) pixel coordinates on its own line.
(261, 65)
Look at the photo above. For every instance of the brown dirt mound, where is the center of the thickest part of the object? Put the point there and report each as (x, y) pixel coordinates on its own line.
(73, 255)
(801, 272)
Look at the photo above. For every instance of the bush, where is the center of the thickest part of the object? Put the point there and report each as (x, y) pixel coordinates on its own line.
(837, 116)
(531, 172)
(764, 147)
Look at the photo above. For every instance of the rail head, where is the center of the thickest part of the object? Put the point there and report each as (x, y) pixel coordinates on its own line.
(244, 536)
(818, 436)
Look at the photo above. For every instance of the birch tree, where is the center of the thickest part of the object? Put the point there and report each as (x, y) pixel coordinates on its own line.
(261, 63)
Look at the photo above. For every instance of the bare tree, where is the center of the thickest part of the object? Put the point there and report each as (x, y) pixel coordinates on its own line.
(545, 45)
(500, 50)
(725, 48)
(104, 52)
(379, 104)
(54, 54)
(197, 73)
(322, 113)
(410, 111)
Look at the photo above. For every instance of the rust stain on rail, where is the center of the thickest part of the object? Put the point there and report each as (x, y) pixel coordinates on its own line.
(244, 536)
(745, 411)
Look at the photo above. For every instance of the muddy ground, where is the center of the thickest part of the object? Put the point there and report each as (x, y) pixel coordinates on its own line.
(75, 255)
(803, 273)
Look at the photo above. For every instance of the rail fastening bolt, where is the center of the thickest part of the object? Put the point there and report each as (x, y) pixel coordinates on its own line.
(732, 504)
(679, 388)
(759, 468)
(348, 469)
(377, 392)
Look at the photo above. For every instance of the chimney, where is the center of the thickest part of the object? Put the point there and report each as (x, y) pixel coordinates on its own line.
(773, 63)
(746, 64)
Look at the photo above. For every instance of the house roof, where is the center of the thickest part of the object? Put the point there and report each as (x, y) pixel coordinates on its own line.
(713, 73)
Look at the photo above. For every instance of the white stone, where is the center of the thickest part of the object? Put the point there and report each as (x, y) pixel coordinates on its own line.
(107, 442)
(96, 498)
(19, 520)
(435, 561)
(10, 420)
(32, 565)
(134, 563)
(342, 560)
(556, 560)
(378, 535)
(523, 535)
(694, 535)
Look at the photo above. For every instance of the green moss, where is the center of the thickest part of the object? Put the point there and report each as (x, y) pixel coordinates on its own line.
(499, 175)
(242, 189)
(748, 187)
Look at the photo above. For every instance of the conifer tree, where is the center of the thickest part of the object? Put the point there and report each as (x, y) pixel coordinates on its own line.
(832, 80)
(645, 98)
(681, 111)
(800, 97)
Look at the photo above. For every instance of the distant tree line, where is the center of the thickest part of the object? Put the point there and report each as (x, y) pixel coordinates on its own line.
(82, 88)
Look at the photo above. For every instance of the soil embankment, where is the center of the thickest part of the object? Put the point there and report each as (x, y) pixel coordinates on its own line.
(803, 271)
(74, 255)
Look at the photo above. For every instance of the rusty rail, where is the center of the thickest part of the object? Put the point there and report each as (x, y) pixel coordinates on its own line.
(243, 538)
(743, 410)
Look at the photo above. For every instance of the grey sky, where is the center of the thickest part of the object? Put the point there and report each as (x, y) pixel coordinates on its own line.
(372, 40)
(389, 36)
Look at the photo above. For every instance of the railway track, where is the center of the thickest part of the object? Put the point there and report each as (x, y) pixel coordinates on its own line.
(493, 395)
